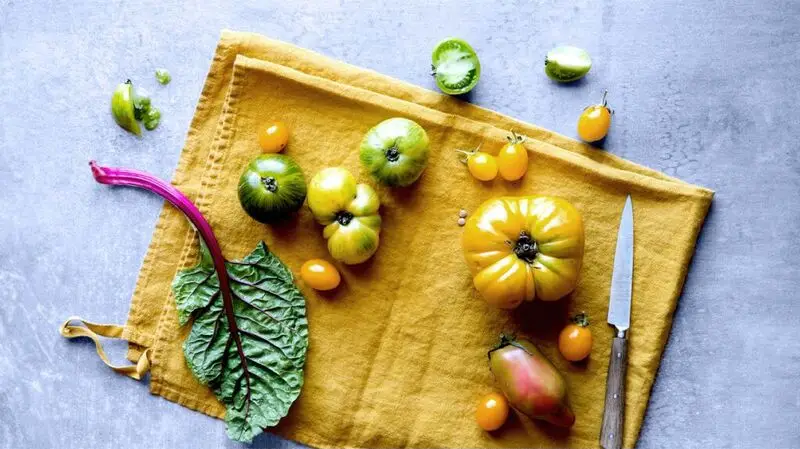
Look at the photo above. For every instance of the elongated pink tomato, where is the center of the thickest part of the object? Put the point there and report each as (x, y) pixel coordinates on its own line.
(531, 383)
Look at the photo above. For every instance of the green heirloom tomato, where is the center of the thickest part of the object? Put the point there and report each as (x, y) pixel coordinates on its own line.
(272, 187)
(349, 212)
(395, 151)
(122, 108)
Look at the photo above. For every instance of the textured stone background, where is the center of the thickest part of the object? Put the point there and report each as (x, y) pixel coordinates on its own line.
(706, 90)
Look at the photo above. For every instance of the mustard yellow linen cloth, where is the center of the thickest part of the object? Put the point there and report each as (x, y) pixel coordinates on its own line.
(397, 355)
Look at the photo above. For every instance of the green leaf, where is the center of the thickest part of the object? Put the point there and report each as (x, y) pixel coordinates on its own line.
(270, 314)
(194, 288)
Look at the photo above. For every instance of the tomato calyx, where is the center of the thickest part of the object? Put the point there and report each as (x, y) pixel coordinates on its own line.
(515, 138)
(507, 340)
(270, 183)
(344, 217)
(526, 247)
(392, 153)
(465, 155)
(581, 319)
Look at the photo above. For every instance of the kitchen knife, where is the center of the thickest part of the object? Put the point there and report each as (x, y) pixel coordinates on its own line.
(619, 316)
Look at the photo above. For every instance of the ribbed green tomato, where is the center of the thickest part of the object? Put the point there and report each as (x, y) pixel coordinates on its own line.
(272, 187)
(395, 151)
(349, 212)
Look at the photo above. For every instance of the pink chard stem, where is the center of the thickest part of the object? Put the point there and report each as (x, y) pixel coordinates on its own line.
(146, 181)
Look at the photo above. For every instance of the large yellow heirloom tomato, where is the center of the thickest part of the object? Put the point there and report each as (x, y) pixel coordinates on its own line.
(521, 248)
(349, 212)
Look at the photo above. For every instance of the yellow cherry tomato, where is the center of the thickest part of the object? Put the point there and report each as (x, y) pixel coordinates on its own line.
(492, 411)
(273, 137)
(575, 340)
(594, 122)
(320, 274)
(524, 248)
(512, 161)
(482, 166)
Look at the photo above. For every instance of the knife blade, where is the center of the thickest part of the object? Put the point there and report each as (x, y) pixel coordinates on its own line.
(619, 302)
(619, 316)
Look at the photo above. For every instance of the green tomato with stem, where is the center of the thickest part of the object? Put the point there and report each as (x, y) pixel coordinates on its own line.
(271, 188)
(349, 212)
(395, 151)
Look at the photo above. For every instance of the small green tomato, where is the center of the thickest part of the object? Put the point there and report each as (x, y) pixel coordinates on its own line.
(272, 188)
(395, 151)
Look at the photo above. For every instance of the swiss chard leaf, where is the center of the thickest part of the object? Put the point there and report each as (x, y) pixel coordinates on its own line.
(270, 314)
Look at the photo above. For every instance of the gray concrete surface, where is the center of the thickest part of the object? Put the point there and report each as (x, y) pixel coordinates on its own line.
(706, 90)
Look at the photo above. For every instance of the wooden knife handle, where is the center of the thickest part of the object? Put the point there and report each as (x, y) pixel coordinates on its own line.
(614, 412)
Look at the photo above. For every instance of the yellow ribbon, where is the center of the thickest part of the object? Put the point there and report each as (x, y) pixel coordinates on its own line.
(94, 331)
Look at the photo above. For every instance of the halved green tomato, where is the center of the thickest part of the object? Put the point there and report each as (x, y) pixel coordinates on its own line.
(123, 109)
(395, 151)
(567, 63)
(271, 188)
(455, 66)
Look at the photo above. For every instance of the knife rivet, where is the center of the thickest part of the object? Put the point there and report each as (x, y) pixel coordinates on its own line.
(619, 355)
(615, 395)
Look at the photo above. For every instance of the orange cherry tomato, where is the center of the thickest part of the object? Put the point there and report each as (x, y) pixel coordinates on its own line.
(575, 340)
(492, 411)
(512, 161)
(273, 137)
(320, 275)
(594, 122)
